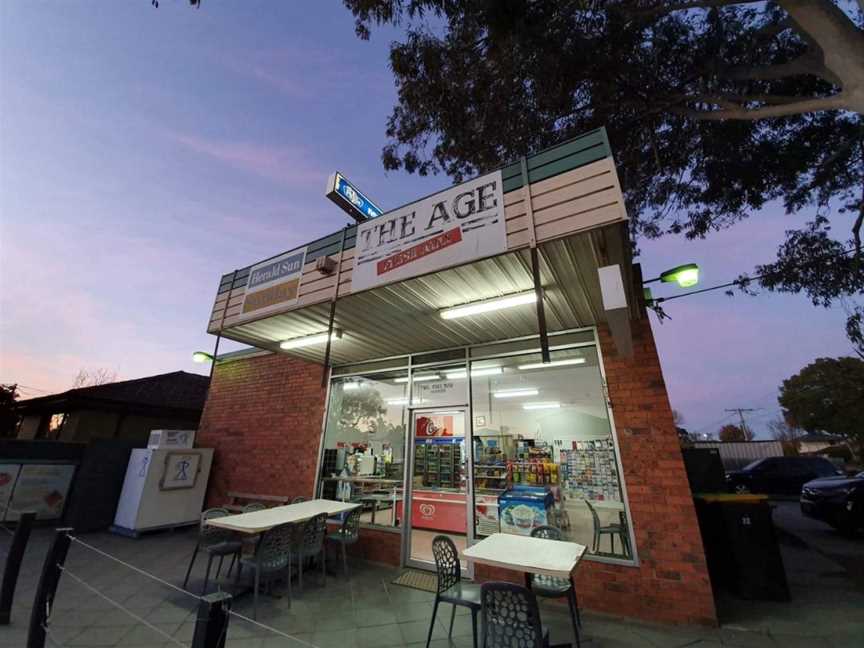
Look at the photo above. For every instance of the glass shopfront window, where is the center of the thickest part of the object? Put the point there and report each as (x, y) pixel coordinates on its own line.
(363, 457)
(544, 451)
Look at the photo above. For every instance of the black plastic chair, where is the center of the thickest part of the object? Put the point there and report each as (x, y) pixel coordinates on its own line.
(254, 506)
(511, 617)
(554, 587)
(299, 499)
(309, 543)
(216, 543)
(450, 588)
(348, 533)
(611, 530)
(271, 560)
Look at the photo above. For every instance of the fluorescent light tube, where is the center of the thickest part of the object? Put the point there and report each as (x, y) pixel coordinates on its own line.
(404, 379)
(397, 401)
(533, 406)
(554, 363)
(348, 386)
(515, 393)
(461, 373)
(309, 340)
(489, 305)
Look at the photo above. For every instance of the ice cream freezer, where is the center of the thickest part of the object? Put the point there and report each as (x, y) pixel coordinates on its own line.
(163, 488)
(446, 511)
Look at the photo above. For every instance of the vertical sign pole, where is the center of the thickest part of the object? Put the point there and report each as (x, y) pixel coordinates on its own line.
(324, 371)
(13, 565)
(47, 588)
(535, 261)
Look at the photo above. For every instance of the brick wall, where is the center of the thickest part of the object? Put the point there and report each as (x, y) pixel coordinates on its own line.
(263, 417)
(671, 583)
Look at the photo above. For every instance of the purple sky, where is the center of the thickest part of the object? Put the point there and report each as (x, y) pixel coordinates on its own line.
(145, 152)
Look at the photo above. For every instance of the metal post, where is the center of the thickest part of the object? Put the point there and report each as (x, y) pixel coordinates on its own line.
(211, 623)
(541, 311)
(325, 373)
(13, 565)
(47, 589)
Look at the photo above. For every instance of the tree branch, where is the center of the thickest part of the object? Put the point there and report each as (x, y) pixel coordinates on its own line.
(686, 6)
(812, 104)
(806, 64)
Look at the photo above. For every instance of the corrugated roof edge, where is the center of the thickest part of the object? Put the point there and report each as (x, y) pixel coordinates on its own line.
(230, 356)
(568, 155)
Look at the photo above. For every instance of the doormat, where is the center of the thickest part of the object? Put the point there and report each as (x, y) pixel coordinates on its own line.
(419, 580)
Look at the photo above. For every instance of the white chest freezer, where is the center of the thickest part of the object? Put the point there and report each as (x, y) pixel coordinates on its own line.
(163, 488)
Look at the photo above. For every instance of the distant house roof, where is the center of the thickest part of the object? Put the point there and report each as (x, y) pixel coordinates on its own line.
(818, 437)
(176, 391)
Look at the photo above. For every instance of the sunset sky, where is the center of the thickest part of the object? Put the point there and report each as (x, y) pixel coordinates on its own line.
(144, 152)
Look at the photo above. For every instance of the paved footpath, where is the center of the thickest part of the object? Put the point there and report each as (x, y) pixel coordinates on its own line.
(367, 610)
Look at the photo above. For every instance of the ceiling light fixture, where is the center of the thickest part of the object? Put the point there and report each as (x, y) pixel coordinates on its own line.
(424, 377)
(310, 340)
(536, 406)
(554, 363)
(461, 373)
(488, 305)
(515, 393)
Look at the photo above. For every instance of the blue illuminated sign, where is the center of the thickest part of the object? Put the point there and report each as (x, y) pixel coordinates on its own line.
(351, 199)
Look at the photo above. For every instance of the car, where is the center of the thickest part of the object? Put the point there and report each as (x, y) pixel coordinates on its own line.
(779, 475)
(839, 501)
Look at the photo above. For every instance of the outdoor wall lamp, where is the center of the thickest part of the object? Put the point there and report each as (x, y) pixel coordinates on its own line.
(684, 275)
(201, 357)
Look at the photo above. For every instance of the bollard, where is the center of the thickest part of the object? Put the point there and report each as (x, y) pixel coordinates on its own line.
(13, 565)
(211, 624)
(47, 588)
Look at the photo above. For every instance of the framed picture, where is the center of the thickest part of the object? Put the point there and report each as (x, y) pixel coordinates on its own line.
(181, 470)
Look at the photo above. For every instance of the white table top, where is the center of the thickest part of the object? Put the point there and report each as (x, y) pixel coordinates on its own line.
(266, 519)
(527, 554)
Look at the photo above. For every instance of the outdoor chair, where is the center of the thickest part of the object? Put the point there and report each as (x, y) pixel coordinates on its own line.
(554, 587)
(254, 506)
(348, 533)
(450, 588)
(611, 530)
(217, 543)
(271, 560)
(511, 617)
(309, 543)
(299, 499)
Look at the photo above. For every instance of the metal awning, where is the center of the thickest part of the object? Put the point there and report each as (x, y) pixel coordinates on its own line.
(403, 318)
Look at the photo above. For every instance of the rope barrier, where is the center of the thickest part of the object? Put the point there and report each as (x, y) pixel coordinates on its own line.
(119, 606)
(270, 628)
(134, 568)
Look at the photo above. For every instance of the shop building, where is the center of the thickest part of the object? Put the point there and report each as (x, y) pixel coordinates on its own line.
(478, 361)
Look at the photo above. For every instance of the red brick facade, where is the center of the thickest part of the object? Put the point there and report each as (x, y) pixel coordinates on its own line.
(264, 416)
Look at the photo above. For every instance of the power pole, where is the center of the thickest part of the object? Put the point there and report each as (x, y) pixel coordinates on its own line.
(741, 411)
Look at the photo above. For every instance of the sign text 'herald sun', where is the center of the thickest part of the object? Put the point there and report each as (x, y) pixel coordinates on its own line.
(447, 229)
(274, 283)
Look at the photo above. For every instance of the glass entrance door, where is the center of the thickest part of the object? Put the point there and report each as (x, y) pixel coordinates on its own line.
(438, 484)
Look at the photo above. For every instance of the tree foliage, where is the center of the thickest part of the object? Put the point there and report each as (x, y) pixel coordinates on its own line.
(93, 377)
(8, 417)
(827, 395)
(713, 109)
(729, 433)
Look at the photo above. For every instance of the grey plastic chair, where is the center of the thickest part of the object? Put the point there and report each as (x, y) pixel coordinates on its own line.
(299, 499)
(511, 617)
(554, 587)
(450, 588)
(348, 533)
(272, 559)
(254, 506)
(216, 543)
(611, 530)
(309, 543)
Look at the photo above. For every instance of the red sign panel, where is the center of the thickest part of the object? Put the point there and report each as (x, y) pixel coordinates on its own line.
(427, 247)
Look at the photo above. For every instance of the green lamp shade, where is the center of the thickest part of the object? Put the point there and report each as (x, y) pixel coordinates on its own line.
(685, 276)
(201, 356)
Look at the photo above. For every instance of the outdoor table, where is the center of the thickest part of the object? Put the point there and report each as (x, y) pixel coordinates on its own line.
(529, 555)
(266, 519)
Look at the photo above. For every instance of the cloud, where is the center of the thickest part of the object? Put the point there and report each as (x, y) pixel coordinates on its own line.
(285, 165)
